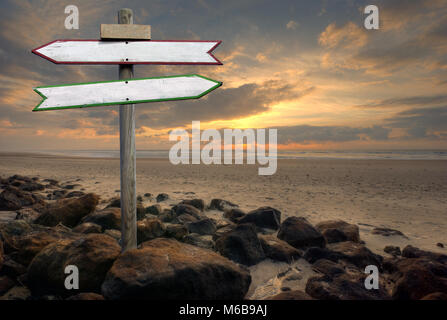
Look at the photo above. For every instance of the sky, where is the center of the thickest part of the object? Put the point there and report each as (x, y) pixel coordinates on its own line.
(306, 68)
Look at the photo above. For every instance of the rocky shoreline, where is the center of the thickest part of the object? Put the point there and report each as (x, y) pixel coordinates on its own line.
(186, 253)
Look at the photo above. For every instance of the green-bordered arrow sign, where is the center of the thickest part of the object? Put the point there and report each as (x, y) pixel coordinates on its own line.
(81, 95)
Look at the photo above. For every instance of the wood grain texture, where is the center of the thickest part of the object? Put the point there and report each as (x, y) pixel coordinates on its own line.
(125, 31)
(127, 157)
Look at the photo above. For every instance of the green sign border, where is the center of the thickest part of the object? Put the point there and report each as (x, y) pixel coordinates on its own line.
(218, 84)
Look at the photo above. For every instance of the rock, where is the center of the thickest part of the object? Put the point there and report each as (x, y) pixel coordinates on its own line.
(149, 229)
(167, 216)
(392, 250)
(278, 250)
(88, 227)
(234, 214)
(291, 295)
(185, 219)
(12, 269)
(241, 245)
(202, 241)
(17, 293)
(176, 231)
(265, 217)
(387, 232)
(115, 234)
(93, 255)
(141, 211)
(140, 198)
(162, 197)
(86, 296)
(27, 214)
(115, 202)
(314, 254)
(71, 186)
(2, 258)
(69, 212)
(167, 269)
(300, 234)
(187, 209)
(31, 186)
(356, 253)
(51, 182)
(148, 195)
(75, 194)
(57, 194)
(413, 252)
(338, 231)
(108, 218)
(154, 209)
(197, 203)
(24, 247)
(440, 245)
(436, 296)
(416, 278)
(6, 283)
(222, 205)
(221, 231)
(345, 286)
(202, 227)
(328, 267)
(13, 198)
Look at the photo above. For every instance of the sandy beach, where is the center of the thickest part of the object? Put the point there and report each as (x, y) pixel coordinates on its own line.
(407, 195)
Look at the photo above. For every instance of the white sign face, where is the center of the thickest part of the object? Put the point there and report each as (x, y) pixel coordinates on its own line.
(129, 52)
(124, 92)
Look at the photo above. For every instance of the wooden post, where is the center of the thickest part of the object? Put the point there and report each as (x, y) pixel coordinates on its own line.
(127, 156)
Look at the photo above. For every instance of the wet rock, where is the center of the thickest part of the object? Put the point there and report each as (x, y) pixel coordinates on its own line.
(86, 296)
(328, 267)
(13, 198)
(202, 227)
(278, 250)
(416, 278)
(27, 214)
(69, 212)
(88, 227)
(392, 250)
(162, 197)
(6, 283)
(93, 255)
(168, 269)
(338, 231)
(300, 234)
(176, 231)
(291, 295)
(241, 245)
(17, 293)
(221, 231)
(202, 241)
(234, 214)
(413, 252)
(314, 254)
(109, 218)
(387, 232)
(185, 219)
(154, 209)
(149, 229)
(356, 254)
(265, 217)
(181, 209)
(197, 203)
(222, 205)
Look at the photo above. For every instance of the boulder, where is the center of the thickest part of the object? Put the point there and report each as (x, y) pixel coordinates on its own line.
(149, 229)
(234, 214)
(176, 231)
(168, 269)
(356, 253)
(416, 278)
(202, 241)
(27, 214)
(31, 186)
(162, 197)
(241, 245)
(167, 216)
(300, 234)
(154, 209)
(314, 254)
(202, 227)
(90, 296)
(185, 219)
(69, 212)
(392, 250)
(278, 250)
(328, 267)
(222, 205)
(291, 295)
(108, 218)
(265, 217)
(11, 268)
(338, 231)
(17, 293)
(221, 231)
(13, 198)
(93, 255)
(88, 227)
(436, 296)
(75, 194)
(6, 283)
(387, 232)
(197, 203)
(181, 209)
(413, 252)
(115, 234)
(114, 202)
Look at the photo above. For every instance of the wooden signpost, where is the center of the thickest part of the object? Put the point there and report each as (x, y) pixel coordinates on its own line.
(116, 48)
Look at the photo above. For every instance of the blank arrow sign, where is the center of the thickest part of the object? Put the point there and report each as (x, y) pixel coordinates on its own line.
(129, 52)
(124, 92)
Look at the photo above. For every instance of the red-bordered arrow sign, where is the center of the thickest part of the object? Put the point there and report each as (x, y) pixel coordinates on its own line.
(197, 52)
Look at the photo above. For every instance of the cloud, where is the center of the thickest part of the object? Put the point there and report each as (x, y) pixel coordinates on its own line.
(292, 25)
(407, 101)
(347, 36)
